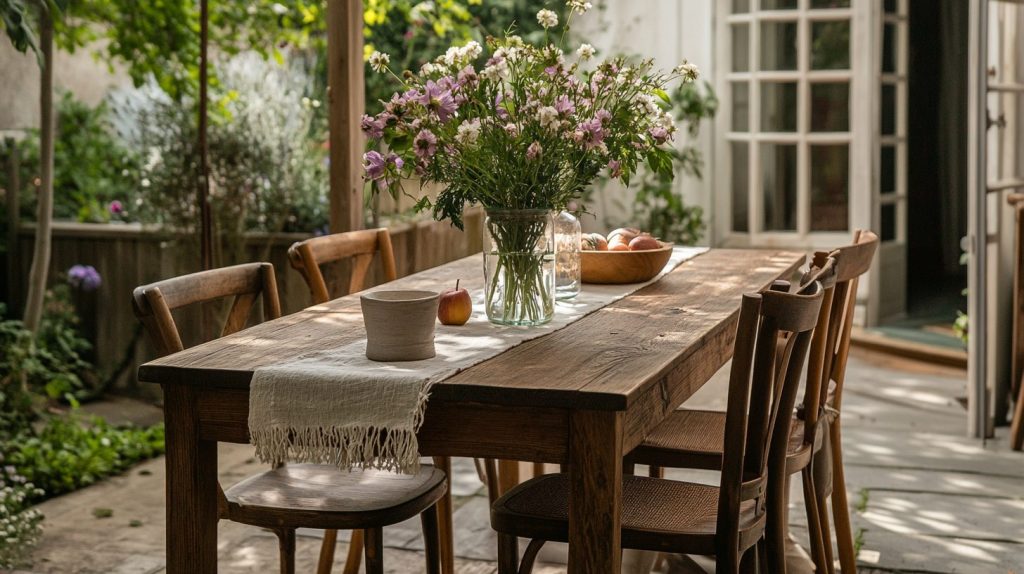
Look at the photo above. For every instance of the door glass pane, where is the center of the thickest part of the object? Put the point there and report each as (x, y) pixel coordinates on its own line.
(741, 48)
(830, 45)
(778, 175)
(740, 186)
(891, 6)
(888, 169)
(830, 3)
(740, 106)
(778, 107)
(830, 187)
(888, 222)
(778, 45)
(778, 4)
(740, 6)
(888, 109)
(889, 49)
(830, 107)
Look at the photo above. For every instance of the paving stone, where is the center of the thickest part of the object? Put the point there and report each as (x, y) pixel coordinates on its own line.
(945, 515)
(919, 553)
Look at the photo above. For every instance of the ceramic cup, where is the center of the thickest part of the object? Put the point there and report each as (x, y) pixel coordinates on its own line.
(399, 324)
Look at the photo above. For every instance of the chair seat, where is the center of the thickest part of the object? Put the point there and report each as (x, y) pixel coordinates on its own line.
(322, 496)
(694, 439)
(657, 514)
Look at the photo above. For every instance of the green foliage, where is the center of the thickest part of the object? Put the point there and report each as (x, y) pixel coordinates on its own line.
(67, 454)
(91, 166)
(19, 524)
(656, 206)
(17, 25)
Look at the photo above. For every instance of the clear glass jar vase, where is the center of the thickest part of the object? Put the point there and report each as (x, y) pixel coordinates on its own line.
(519, 266)
(568, 272)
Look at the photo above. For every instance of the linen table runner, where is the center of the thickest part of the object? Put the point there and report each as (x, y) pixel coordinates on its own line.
(338, 407)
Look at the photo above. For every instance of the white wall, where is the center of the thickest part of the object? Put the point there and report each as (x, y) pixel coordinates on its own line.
(669, 31)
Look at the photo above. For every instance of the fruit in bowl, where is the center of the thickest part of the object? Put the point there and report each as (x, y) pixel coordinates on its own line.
(629, 256)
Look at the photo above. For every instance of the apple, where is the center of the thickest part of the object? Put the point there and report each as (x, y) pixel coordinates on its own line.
(644, 242)
(618, 246)
(454, 306)
(626, 234)
(594, 242)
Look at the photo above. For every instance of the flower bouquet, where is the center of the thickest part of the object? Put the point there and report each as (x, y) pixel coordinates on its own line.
(521, 130)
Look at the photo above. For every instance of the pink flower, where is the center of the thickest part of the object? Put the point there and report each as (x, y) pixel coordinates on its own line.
(659, 134)
(375, 166)
(615, 168)
(438, 99)
(425, 144)
(372, 127)
(115, 207)
(604, 116)
(534, 151)
(564, 106)
(593, 133)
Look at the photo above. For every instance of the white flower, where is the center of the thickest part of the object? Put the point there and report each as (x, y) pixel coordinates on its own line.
(427, 69)
(547, 18)
(379, 61)
(586, 51)
(688, 71)
(579, 6)
(548, 117)
(278, 8)
(468, 132)
(472, 50)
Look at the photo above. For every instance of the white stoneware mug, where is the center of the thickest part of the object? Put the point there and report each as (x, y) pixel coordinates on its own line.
(399, 324)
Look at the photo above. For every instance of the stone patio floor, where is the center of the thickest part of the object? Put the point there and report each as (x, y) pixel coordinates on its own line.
(925, 498)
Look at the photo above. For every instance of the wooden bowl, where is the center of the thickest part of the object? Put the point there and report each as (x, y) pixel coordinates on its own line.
(618, 267)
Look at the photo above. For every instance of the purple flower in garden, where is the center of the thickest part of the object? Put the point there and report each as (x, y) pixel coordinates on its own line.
(425, 144)
(564, 106)
(467, 76)
(438, 100)
(593, 133)
(534, 151)
(115, 207)
(84, 277)
(375, 164)
(659, 134)
(551, 70)
(615, 168)
(372, 127)
(604, 116)
(502, 112)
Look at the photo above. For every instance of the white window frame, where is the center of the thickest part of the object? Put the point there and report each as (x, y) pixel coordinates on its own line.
(859, 202)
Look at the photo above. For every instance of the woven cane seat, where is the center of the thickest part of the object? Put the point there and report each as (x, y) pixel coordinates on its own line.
(657, 514)
(693, 439)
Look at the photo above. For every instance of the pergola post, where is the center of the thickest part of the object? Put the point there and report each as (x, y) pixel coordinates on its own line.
(346, 101)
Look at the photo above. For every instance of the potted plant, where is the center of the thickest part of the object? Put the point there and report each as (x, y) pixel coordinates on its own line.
(521, 130)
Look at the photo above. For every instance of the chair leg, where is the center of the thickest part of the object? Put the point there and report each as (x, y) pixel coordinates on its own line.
(431, 540)
(491, 469)
(374, 542)
(327, 548)
(775, 530)
(762, 557)
(655, 472)
(1017, 426)
(538, 469)
(508, 554)
(286, 547)
(826, 534)
(444, 513)
(355, 553)
(530, 556)
(840, 506)
(814, 529)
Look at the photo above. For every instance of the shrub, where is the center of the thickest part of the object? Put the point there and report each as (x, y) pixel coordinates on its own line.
(19, 524)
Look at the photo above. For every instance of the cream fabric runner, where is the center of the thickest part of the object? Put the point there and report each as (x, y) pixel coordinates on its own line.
(338, 407)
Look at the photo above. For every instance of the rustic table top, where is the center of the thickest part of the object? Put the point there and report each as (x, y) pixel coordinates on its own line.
(604, 361)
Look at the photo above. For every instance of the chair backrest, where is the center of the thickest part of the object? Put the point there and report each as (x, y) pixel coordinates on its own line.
(763, 383)
(154, 302)
(359, 246)
(816, 389)
(851, 262)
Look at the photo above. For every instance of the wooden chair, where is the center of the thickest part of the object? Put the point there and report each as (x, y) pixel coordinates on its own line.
(692, 438)
(359, 246)
(679, 517)
(1016, 200)
(301, 495)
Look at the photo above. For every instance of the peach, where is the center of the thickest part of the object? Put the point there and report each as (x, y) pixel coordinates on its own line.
(644, 242)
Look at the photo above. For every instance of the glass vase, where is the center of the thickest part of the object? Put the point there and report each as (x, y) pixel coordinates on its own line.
(519, 266)
(568, 273)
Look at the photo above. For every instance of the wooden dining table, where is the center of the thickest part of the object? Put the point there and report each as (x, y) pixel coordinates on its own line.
(581, 396)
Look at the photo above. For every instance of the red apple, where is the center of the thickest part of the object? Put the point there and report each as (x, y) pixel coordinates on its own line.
(644, 242)
(617, 245)
(454, 306)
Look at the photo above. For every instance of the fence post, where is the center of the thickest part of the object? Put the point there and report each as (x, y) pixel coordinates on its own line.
(13, 189)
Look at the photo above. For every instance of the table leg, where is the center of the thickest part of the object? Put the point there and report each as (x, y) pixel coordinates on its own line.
(508, 475)
(191, 487)
(595, 492)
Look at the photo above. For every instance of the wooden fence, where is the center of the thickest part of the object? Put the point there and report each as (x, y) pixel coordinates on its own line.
(129, 255)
